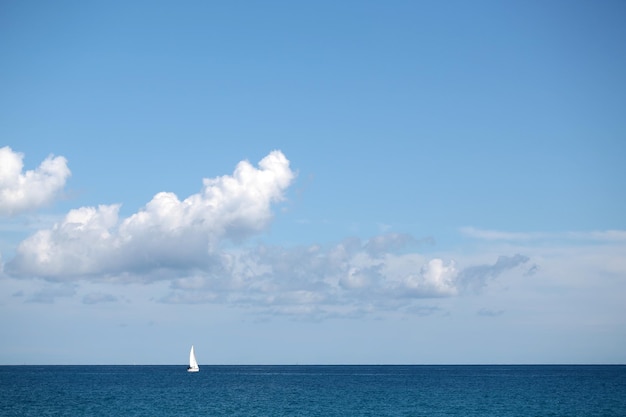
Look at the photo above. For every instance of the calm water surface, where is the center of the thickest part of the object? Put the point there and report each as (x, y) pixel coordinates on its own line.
(313, 391)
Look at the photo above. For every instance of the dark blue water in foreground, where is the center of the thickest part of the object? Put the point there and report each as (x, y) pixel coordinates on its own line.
(313, 391)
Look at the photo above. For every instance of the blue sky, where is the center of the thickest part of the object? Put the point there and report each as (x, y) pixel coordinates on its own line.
(330, 182)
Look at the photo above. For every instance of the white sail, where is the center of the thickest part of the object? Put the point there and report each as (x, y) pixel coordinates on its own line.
(193, 363)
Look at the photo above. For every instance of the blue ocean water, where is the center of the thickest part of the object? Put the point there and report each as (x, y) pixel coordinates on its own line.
(543, 390)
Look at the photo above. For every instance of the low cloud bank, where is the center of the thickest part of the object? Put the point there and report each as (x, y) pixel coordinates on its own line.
(340, 281)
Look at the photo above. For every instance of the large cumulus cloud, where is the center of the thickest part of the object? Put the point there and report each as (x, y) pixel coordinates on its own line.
(24, 191)
(166, 234)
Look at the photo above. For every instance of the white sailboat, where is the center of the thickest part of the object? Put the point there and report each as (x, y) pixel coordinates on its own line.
(193, 363)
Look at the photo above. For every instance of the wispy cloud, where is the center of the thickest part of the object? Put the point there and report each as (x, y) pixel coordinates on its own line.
(497, 234)
(51, 292)
(98, 297)
(474, 278)
(485, 312)
(24, 191)
(596, 235)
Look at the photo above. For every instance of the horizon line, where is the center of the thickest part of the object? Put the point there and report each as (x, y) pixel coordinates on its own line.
(330, 364)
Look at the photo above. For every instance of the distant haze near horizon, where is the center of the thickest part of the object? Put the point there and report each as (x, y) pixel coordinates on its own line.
(325, 183)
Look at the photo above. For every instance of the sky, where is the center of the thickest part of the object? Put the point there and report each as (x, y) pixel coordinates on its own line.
(355, 182)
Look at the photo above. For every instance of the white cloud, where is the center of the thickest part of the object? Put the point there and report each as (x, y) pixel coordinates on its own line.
(168, 234)
(436, 279)
(20, 192)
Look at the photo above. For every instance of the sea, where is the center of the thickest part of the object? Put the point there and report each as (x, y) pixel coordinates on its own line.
(316, 390)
